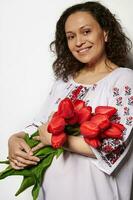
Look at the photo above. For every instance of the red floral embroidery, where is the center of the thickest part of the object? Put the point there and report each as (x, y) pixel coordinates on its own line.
(126, 111)
(127, 90)
(119, 101)
(78, 93)
(129, 120)
(130, 100)
(115, 91)
(94, 86)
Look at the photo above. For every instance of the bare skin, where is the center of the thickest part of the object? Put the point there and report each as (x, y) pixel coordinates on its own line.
(20, 154)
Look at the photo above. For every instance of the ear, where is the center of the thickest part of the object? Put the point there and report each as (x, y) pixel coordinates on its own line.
(105, 36)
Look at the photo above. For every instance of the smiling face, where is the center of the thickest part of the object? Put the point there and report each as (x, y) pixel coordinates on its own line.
(85, 38)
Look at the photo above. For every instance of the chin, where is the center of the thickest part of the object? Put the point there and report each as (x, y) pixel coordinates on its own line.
(84, 60)
(89, 60)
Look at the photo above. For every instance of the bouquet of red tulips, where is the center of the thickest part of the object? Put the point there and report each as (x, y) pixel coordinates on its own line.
(75, 118)
(71, 118)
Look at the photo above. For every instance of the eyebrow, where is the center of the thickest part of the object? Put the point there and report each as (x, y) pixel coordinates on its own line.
(79, 28)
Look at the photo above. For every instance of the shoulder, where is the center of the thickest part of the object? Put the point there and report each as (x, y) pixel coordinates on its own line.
(59, 85)
(60, 82)
(123, 76)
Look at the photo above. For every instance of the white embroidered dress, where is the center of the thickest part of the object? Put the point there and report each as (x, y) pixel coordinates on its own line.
(110, 176)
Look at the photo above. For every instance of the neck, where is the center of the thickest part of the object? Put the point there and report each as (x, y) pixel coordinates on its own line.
(101, 66)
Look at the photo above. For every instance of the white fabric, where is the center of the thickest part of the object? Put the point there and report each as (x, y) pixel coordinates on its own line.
(73, 176)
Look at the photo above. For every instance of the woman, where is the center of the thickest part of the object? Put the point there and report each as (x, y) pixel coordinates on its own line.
(91, 51)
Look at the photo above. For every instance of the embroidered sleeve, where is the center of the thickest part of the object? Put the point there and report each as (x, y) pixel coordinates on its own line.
(112, 151)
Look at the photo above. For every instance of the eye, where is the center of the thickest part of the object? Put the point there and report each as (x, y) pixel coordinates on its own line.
(70, 37)
(86, 32)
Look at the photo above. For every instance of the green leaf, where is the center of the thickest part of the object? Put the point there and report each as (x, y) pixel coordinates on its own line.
(40, 169)
(72, 129)
(59, 152)
(30, 141)
(33, 175)
(44, 151)
(5, 172)
(5, 162)
(9, 171)
(35, 191)
(27, 182)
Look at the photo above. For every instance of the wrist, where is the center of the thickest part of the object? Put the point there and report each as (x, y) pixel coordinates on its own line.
(49, 139)
(17, 135)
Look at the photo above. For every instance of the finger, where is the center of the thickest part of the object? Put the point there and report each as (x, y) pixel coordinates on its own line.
(36, 138)
(27, 156)
(26, 148)
(18, 164)
(39, 146)
(25, 162)
(14, 166)
(42, 129)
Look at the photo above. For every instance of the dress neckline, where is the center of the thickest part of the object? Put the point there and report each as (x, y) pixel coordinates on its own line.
(97, 82)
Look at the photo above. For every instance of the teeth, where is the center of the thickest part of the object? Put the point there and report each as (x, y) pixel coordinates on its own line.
(84, 50)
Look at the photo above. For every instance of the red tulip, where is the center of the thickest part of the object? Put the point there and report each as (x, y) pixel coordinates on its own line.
(93, 142)
(72, 120)
(108, 110)
(84, 114)
(55, 114)
(66, 108)
(89, 129)
(113, 132)
(57, 141)
(78, 104)
(120, 126)
(56, 125)
(101, 120)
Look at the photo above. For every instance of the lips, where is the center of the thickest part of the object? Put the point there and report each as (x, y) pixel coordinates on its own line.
(84, 50)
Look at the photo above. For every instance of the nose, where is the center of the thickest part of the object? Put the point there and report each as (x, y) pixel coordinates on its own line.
(80, 40)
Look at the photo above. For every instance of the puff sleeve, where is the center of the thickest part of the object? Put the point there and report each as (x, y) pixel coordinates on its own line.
(112, 152)
(44, 112)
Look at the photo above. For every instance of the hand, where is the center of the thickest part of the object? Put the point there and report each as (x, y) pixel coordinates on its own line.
(20, 154)
(44, 137)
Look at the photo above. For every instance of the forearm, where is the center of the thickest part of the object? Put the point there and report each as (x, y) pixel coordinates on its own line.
(78, 145)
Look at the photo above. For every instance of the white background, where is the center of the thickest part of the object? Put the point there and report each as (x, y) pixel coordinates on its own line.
(26, 30)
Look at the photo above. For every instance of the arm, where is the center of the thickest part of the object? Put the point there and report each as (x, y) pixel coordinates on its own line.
(74, 144)
(20, 154)
(78, 145)
(19, 134)
(113, 154)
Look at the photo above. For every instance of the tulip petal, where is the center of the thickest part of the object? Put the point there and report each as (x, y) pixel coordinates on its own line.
(89, 129)
(84, 114)
(66, 108)
(56, 125)
(113, 132)
(79, 104)
(58, 140)
(101, 120)
(93, 142)
(108, 110)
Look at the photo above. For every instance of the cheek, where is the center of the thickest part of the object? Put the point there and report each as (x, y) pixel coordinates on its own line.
(70, 45)
(100, 42)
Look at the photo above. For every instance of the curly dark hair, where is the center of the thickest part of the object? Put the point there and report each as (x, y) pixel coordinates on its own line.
(117, 46)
